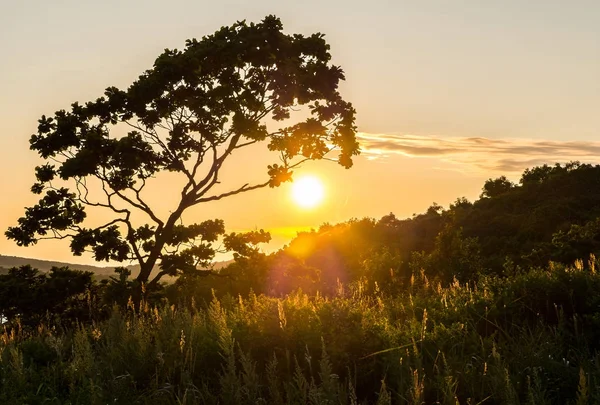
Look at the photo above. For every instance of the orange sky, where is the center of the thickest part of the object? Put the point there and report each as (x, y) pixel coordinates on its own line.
(448, 93)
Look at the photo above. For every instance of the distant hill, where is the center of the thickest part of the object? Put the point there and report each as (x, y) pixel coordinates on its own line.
(45, 265)
(7, 262)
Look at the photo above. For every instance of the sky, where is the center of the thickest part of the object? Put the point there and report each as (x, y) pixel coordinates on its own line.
(447, 93)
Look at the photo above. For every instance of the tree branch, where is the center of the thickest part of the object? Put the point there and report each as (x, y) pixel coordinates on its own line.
(242, 189)
(141, 205)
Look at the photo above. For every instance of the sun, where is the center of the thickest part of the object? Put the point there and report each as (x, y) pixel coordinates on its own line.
(307, 191)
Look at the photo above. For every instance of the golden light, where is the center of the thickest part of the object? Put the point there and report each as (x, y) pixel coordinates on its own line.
(307, 191)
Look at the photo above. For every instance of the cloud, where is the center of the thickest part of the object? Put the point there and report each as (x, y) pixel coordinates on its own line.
(502, 155)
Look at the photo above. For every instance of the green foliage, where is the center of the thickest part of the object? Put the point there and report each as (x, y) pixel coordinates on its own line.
(453, 257)
(522, 222)
(60, 297)
(499, 340)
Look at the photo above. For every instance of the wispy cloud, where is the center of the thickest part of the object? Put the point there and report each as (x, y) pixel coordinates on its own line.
(502, 155)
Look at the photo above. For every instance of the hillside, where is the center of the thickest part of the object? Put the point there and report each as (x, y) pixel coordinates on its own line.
(45, 265)
(7, 262)
(552, 214)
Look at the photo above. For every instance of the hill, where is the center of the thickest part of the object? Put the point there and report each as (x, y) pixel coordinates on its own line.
(7, 262)
(552, 214)
(45, 265)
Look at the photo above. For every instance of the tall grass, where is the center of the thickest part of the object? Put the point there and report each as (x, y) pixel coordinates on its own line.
(531, 339)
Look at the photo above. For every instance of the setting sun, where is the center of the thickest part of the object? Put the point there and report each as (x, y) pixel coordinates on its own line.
(307, 191)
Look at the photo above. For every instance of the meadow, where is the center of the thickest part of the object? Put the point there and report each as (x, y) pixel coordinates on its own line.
(528, 339)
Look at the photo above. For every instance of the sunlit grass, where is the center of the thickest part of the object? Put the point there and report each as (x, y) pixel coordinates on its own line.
(498, 341)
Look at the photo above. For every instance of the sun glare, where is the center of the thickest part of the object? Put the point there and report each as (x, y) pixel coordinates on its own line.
(307, 191)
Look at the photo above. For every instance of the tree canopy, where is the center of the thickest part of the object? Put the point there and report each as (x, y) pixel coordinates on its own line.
(496, 187)
(61, 296)
(186, 115)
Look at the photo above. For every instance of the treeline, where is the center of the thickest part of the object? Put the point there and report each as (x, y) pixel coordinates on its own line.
(551, 215)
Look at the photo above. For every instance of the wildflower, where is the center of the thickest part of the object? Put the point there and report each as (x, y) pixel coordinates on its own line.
(96, 334)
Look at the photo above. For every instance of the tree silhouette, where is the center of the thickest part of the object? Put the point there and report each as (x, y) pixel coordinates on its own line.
(186, 115)
(496, 187)
(61, 296)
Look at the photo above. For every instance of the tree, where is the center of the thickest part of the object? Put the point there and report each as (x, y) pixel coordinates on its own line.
(540, 174)
(186, 115)
(454, 256)
(435, 209)
(61, 296)
(496, 187)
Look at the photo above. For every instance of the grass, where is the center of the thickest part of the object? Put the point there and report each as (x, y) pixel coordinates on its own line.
(529, 339)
